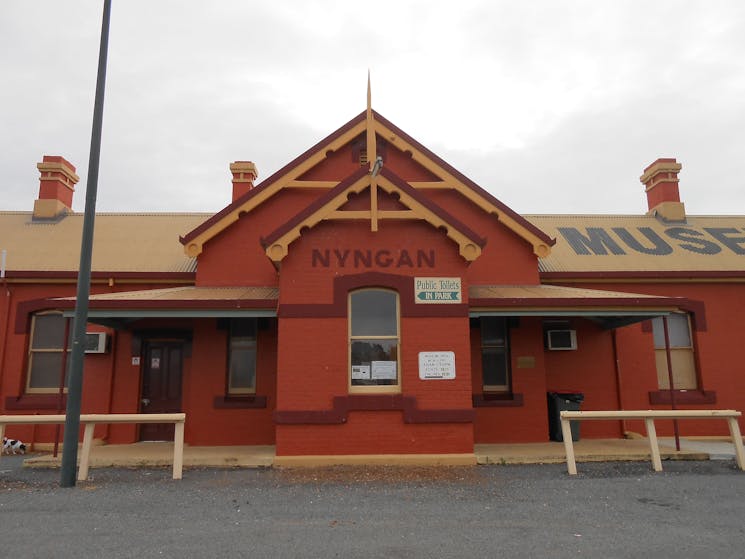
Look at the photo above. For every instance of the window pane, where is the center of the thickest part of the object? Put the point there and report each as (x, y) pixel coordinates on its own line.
(49, 331)
(242, 357)
(493, 332)
(45, 370)
(494, 365)
(243, 368)
(243, 328)
(678, 331)
(374, 362)
(374, 313)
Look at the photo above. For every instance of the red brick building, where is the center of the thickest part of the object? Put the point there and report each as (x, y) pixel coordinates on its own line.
(369, 299)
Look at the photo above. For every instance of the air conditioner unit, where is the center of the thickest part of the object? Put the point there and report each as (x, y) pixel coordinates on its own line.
(95, 342)
(558, 340)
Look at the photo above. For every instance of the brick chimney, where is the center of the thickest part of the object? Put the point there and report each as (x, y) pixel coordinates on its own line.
(56, 187)
(660, 180)
(244, 175)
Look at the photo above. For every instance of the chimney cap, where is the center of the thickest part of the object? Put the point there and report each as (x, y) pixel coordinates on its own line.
(662, 164)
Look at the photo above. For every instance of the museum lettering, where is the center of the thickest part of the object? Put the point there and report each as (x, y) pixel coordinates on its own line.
(645, 240)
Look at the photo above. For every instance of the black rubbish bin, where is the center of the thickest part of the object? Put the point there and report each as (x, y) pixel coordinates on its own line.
(558, 402)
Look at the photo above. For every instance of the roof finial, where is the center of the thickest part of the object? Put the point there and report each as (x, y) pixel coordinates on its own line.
(371, 158)
(369, 95)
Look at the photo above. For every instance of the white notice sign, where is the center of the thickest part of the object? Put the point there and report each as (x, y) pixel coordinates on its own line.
(436, 365)
(437, 291)
(385, 370)
(360, 372)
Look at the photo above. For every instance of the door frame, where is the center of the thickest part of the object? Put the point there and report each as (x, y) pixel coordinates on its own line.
(141, 339)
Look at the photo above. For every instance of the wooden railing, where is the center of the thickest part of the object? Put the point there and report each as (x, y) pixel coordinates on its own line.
(91, 420)
(649, 416)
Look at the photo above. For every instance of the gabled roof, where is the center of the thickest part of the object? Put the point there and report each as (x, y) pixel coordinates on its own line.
(372, 124)
(417, 207)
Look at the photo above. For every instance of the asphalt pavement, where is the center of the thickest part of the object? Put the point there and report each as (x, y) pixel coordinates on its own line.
(611, 510)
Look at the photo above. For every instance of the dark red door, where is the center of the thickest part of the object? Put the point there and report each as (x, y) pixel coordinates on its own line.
(161, 386)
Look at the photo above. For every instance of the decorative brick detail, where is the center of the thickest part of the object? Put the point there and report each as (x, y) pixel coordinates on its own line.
(684, 397)
(357, 402)
(239, 402)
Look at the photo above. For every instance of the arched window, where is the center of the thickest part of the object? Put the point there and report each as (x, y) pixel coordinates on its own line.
(374, 340)
(46, 353)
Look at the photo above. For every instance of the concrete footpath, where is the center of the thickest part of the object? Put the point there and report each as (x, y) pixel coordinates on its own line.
(586, 450)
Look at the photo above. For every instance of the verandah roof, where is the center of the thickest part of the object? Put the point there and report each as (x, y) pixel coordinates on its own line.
(611, 309)
(117, 309)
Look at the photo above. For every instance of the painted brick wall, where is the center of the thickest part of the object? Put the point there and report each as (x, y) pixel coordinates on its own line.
(313, 353)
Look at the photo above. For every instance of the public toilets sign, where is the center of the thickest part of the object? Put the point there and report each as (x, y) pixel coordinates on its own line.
(437, 290)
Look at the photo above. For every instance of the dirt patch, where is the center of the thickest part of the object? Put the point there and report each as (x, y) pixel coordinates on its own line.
(392, 474)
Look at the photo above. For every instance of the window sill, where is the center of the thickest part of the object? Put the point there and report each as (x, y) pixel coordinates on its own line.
(239, 402)
(688, 397)
(379, 389)
(497, 400)
(36, 402)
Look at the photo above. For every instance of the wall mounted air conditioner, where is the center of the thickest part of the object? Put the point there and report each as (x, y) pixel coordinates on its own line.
(561, 340)
(95, 342)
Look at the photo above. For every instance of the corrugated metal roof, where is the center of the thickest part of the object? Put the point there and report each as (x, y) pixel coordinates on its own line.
(633, 243)
(122, 242)
(538, 293)
(192, 293)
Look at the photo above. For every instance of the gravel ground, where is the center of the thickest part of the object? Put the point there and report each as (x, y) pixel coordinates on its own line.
(692, 509)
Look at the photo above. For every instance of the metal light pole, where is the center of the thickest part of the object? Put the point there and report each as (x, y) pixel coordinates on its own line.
(75, 383)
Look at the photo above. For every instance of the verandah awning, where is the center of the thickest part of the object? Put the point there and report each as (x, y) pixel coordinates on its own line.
(118, 309)
(611, 309)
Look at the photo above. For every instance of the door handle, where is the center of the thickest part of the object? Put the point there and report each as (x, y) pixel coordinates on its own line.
(145, 402)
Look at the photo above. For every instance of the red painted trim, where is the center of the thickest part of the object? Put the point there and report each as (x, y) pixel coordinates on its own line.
(239, 402)
(686, 397)
(672, 274)
(28, 402)
(487, 400)
(324, 200)
(697, 310)
(342, 405)
(431, 206)
(66, 274)
(580, 302)
(186, 305)
(404, 285)
(24, 310)
(315, 206)
(465, 180)
(261, 186)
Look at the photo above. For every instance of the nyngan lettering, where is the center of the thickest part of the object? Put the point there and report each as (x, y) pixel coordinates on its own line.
(369, 258)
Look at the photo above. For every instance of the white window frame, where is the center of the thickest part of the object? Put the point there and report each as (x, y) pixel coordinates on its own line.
(381, 388)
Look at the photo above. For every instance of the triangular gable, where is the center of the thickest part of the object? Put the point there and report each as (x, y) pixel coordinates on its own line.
(327, 207)
(372, 125)
(287, 176)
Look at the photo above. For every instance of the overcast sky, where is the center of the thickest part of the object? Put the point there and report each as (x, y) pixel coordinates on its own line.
(553, 107)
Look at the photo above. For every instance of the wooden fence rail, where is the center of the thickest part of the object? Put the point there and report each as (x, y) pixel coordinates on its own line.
(93, 419)
(649, 416)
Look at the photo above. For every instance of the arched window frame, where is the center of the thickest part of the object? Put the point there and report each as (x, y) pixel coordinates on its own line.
(36, 350)
(356, 385)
